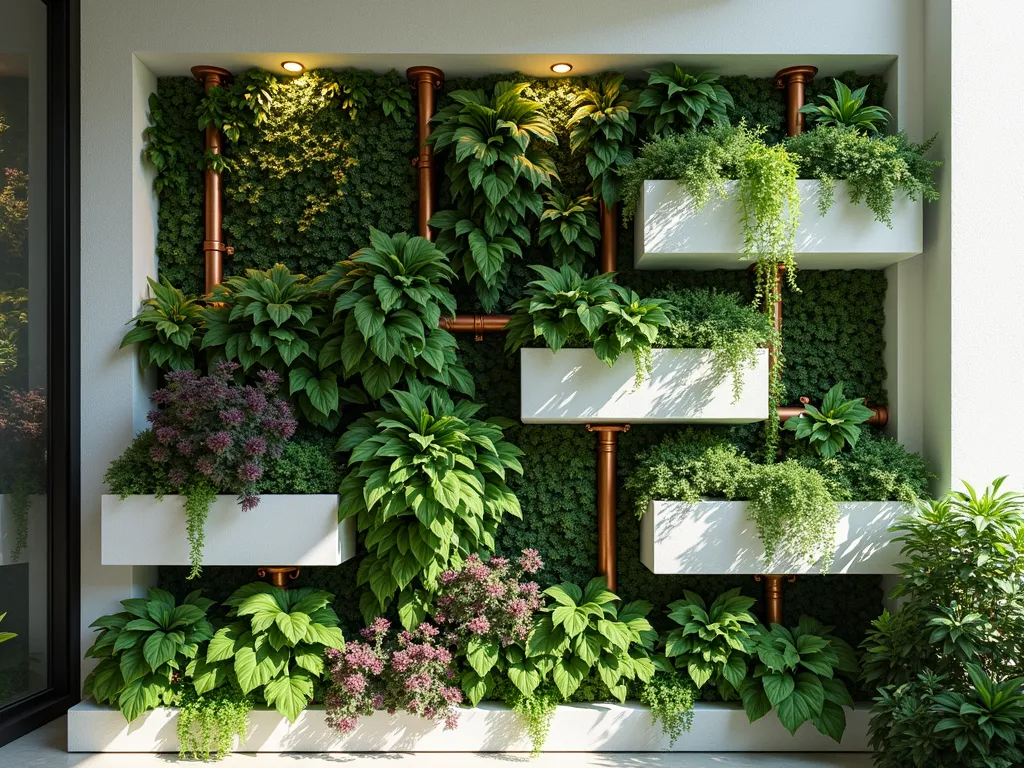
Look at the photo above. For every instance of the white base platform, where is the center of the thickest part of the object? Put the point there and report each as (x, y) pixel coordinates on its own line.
(672, 234)
(487, 728)
(281, 530)
(572, 386)
(717, 537)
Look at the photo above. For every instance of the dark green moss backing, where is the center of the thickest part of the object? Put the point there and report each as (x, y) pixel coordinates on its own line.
(304, 194)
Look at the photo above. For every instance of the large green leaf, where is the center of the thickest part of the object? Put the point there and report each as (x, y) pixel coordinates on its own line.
(293, 625)
(482, 654)
(289, 693)
(568, 674)
(138, 697)
(161, 647)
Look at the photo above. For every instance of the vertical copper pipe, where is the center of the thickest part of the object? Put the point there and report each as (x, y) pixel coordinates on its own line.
(793, 80)
(609, 237)
(607, 446)
(213, 244)
(425, 80)
(772, 598)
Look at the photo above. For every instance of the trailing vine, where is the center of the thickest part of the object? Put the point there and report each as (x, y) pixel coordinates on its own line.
(199, 495)
(536, 711)
(671, 697)
(209, 724)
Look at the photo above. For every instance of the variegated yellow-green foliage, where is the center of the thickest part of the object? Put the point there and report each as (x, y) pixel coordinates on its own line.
(604, 125)
(427, 487)
(496, 174)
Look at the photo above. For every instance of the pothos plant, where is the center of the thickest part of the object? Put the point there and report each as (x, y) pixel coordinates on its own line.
(274, 648)
(386, 327)
(496, 177)
(565, 309)
(427, 487)
(603, 123)
(144, 651)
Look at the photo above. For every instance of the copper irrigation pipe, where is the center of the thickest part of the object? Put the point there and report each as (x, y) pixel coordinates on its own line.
(425, 80)
(793, 80)
(879, 419)
(478, 325)
(213, 244)
(607, 447)
(609, 237)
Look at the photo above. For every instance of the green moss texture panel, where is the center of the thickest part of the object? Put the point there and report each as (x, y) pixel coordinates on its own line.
(306, 190)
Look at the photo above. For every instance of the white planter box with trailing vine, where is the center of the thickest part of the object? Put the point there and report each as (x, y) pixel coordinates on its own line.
(671, 233)
(281, 530)
(718, 537)
(572, 386)
(489, 727)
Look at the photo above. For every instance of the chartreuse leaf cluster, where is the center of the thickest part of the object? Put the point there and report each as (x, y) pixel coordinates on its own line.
(797, 676)
(583, 629)
(274, 649)
(603, 123)
(712, 645)
(390, 297)
(565, 309)
(168, 330)
(495, 179)
(427, 486)
(144, 651)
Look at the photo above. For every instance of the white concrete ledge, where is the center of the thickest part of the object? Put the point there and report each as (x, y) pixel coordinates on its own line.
(672, 234)
(486, 728)
(572, 386)
(281, 530)
(717, 537)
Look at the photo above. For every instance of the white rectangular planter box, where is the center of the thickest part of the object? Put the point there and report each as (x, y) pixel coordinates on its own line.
(487, 728)
(281, 530)
(717, 537)
(572, 386)
(672, 234)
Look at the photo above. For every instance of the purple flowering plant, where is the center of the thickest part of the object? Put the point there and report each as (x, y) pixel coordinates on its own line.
(408, 672)
(486, 610)
(213, 435)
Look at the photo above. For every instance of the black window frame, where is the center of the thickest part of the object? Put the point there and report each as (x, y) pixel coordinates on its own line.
(63, 349)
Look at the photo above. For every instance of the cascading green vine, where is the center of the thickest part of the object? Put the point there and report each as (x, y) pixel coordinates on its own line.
(209, 724)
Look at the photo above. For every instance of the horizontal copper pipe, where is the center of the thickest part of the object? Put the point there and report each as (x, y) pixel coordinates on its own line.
(880, 419)
(478, 325)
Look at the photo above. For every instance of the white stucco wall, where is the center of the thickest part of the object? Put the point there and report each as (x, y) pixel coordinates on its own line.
(119, 37)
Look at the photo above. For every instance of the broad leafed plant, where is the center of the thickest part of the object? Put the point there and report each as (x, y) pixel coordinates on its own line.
(496, 177)
(390, 299)
(834, 425)
(569, 225)
(847, 110)
(427, 486)
(603, 123)
(675, 100)
(168, 330)
(274, 647)
(583, 629)
(564, 309)
(145, 649)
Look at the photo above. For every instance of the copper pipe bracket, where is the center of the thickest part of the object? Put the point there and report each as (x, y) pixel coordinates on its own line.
(211, 76)
(279, 575)
(793, 80)
(608, 427)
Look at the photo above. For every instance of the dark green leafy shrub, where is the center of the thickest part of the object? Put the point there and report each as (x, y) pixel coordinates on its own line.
(834, 425)
(603, 123)
(569, 226)
(847, 110)
(674, 100)
(168, 329)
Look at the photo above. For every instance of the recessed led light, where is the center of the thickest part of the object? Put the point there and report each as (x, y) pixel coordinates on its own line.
(561, 68)
(292, 66)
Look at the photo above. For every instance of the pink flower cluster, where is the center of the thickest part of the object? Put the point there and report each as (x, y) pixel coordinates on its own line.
(209, 427)
(406, 672)
(489, 598)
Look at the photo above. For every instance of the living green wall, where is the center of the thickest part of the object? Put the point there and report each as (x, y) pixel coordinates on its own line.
(304, 191)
